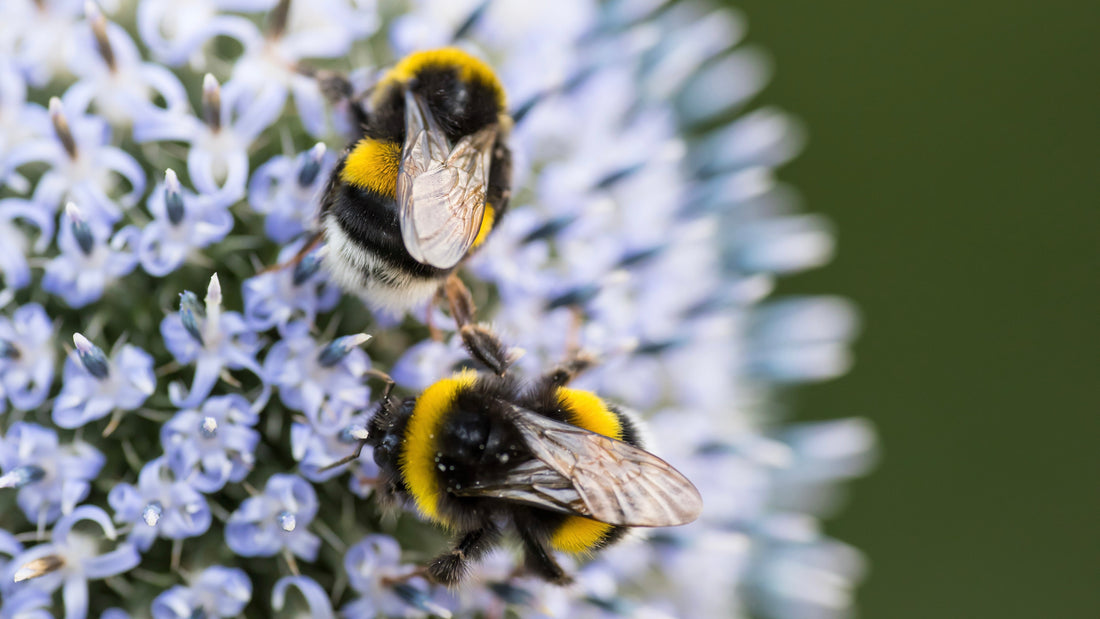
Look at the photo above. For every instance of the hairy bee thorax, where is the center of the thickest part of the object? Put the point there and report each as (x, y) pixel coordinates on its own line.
(458, 435)
(362, 218)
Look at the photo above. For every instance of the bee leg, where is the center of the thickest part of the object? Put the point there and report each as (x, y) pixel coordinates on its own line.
(481, 343)
(564, 373)
(310, 245)
(538, 561)
(449, 568)
(362, 434)
(339, 92)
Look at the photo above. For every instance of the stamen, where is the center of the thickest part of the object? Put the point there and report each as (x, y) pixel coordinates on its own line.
(152, 513)
(61, 127)
(280, 15)
(577, 296)
(287, 521)
(99, 29)
(212, 102)
(38, 567)
(208, 429)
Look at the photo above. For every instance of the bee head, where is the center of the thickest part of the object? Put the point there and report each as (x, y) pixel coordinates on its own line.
(460, 91)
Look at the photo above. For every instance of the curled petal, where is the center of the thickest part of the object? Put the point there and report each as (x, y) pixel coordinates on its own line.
(120, 560)
(319, 605)
(75, 595)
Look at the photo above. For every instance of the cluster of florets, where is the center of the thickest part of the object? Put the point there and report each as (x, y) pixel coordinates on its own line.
(170, 404)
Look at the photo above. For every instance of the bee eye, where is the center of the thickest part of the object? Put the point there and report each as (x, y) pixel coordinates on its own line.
(381, 454)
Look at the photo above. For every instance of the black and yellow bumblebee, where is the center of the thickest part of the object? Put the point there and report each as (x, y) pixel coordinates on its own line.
(561, 467)
(424, 182)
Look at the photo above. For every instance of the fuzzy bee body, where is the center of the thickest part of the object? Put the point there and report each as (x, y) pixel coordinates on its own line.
(424, 183)
(561, 467)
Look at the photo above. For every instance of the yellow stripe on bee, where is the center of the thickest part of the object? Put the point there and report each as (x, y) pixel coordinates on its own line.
(373, 165)
(579, 534)
(586, 410)
(469, 68)
(418, 460)
(486, 225)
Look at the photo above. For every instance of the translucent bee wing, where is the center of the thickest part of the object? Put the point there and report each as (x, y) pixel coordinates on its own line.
(440, 190)
(583, 473)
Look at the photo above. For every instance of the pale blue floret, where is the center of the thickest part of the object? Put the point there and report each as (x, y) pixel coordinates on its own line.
(91, 258)
(301, 290)
(317, 599)
(27, 357)
(214, 445)
(220, 141)
(94, 385)
(51, 478)
(182, 223)
(276, 520)
(211, 339)
(160, 505)
(373, 565)
(217, 592)
(70, 559)
(113, 80)
(287, 189)
(327, 383)
(84, 167)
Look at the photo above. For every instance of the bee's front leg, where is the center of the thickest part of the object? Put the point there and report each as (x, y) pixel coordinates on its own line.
(480, 341)
(449, 568)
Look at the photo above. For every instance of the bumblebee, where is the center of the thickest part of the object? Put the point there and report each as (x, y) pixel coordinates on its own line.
(423, 184)
(481, 452)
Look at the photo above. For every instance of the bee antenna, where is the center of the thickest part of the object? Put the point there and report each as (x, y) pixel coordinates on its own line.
(471, 21)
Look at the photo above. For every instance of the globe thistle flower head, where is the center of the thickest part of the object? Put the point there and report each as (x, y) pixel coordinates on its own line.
(645, 228)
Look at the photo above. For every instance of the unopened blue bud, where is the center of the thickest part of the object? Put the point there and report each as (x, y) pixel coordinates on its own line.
(8, 350)
(311, 165)
(577, 296)
(339, 348)
(92, 357)
(306, 268)
(512, 594)
(173, 197)
(190, 313)
(81, 232)
(22, 476)
(418, 598)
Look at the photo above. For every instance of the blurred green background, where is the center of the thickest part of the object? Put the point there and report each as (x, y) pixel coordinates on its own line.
(955, 145)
